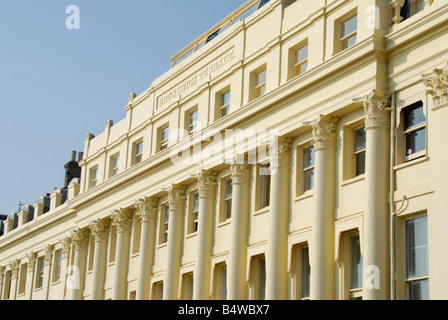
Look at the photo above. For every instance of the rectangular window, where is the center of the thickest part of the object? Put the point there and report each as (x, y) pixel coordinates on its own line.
(265, 185)
(193, 121)
(355, 263)
(114, 162)
(417, 267)
(260, 84)
(164, 135)
(305, 273)
(138, 152)
(187, 286)
(359, 151)
(57, 265)
(93, 177)
(224, 106)
(166, 218)
(348, 32)
(195, 212)
(261, 279)
(300, 60)
(411, 7)
(40, 272)
(308, 169)
(22, 278)
(414, 131)
(228, 198)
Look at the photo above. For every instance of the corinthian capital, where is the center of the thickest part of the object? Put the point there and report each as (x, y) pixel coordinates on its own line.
(240, 171)
(207, 184)
(48, 254)
(281, 153)
(15, 266)
(66, 243)
(437, 86)
(122, 219)
(324, 132)
(80, 238)
(100, 228)
(32, 258)
(147, 209)
(176, 198)
(377, 111)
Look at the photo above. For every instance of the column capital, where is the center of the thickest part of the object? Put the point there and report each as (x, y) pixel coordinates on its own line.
(207, 184)
(65, 242)
(100, 229)
(437, 86)
(32, 258)
(324, 132)
(15, 266)
(176, 197)
(48, 254)
(281, 153)
(122, 219)
(240, 171)
(147, 209)
(80, 238)
(377, 111)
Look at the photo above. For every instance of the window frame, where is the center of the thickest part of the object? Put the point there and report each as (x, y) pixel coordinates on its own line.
(114, 165)
(164, 223)
(263, 186)
(305, 170)
(57, 265)
(226, 200)
(40, 272)
(193, 126)
(296, 64)
(93, 176)
(137, 153)
(164, 143)
(412, 129)
(345, 37)
(356, 153)
(222, 105)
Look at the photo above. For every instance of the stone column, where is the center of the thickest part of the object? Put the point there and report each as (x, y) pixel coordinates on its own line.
(322, 234)
(122, 221)
(277, 245)
(202, 273)
(147, 212)
(176, 202)
(236, 276)
(48, 269)
(15, 267)
(2, 281)
(65, 259)
(100, 231)
(376, 245)
(80, 239)
(29, 286)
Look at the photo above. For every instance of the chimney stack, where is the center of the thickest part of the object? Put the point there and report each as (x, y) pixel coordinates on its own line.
(72, 168)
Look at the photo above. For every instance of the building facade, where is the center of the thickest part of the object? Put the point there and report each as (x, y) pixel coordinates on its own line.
(293, 151)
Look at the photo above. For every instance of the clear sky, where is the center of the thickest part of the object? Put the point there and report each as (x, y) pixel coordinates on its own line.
(57, 84)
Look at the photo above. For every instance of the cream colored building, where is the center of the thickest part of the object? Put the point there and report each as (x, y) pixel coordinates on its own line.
(347, 203)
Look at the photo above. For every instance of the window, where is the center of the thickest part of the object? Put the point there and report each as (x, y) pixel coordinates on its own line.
(114, 162)
(195, 213)
(8, 282)
(355, 267)
(359, 151)
(22, 278)
(138, 152)
(224, 105)
(132, 295)
(308, 169)
(187, 286)
(164, 226)
(411, 7)
(417, 270)
(212, 36)
(113, 243)
(137, 235)
(91, 252)
(300, 60)
(221, 281)
(93, 177)
(348, 32)
(228, 198)
(157, 291)
(57, 265)
(414, 131)
(192, 121)
(305, 273)
(164, 135)
(183, 57)
(40, 272)
(259, 277)
(265, 185)
(259, 83)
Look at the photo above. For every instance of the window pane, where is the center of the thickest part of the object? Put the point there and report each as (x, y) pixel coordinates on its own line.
(183, 57)
(262, 279)
(308, 157)
(224, 111)
(306, 272)
(165, 134)
(304, 67)
(415, 141)
(347, 43)
(246, 13)
(261, 78)
(360, 163)
(359, 138)
(262, 3)
(355, 263)
(228, 188)
(417, 248)
(419, 290)
(413, 116)
(225, 98)
(196, 202)
(348, 26)
(308, 180)
(228, 209)
(302, 54)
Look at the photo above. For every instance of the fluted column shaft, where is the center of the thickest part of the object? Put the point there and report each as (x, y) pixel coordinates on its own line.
(322, 234)
(207, 186)
(176, 200)
(277, 245)
(236, 276)
(100, 231)
(147, 211)
(376, 216)
(80, 238)
(122, 221)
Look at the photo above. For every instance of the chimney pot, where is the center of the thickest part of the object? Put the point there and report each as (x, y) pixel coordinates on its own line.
(73, 156)
(80, 156)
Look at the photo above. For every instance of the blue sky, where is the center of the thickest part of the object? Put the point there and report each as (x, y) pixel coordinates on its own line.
(57, 84)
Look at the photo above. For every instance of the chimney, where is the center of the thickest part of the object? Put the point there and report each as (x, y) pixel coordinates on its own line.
(72, 168)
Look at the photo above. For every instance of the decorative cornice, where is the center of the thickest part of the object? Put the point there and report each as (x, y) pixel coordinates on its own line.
(281, 153)
(80, 238)
(437, 86)
(122, 219)
(207, 184)
(147, 210)
(100, 229)
(377, 111)
(324, 132)
(176, 197)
